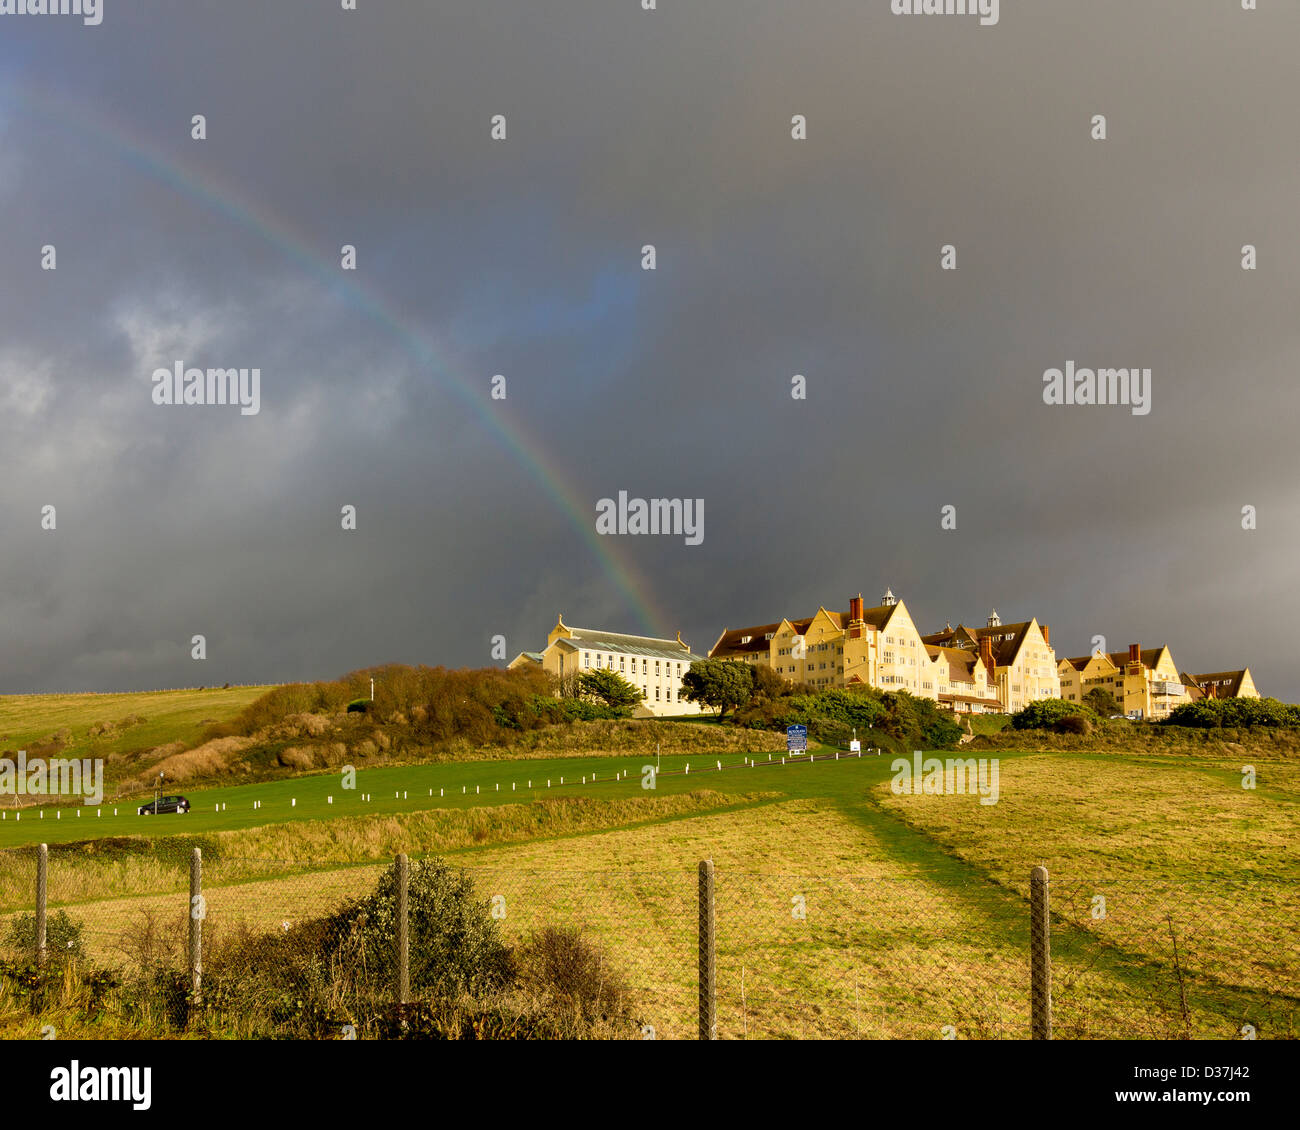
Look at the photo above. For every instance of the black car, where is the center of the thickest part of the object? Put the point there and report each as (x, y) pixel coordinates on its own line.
(164, 804)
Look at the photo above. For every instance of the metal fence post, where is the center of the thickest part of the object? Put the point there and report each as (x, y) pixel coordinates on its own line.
(42, 880)
(1040, 956)
(403, 931)
(198, 911)
(708, 955)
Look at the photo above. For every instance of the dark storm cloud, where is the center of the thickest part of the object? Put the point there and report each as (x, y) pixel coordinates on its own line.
(522, 258)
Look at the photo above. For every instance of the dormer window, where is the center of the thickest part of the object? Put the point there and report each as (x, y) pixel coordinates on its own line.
(769, 635)
(746, 639)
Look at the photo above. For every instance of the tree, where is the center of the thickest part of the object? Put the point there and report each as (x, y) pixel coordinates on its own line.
(610, 687)
(720, 683)
(768, 684)
(1102, 701)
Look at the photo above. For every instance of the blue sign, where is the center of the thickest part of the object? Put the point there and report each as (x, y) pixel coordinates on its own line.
(796, 739)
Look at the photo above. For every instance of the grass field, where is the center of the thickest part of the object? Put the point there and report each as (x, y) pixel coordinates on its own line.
(843, 909)
(115, 727)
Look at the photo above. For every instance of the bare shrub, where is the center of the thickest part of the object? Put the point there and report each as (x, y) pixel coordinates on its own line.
(296, 757)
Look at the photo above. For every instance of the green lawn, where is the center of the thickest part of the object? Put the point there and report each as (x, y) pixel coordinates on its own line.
(413, 788)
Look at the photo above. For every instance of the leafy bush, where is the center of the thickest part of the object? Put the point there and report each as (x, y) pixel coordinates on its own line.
(359, 706)
(63, 936)
(832, 715)
(1050, 713)
(1073, 724)
(1214, 713)
(455, 944)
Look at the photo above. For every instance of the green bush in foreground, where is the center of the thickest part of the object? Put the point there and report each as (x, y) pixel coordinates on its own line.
(63, 936)
(455, 944)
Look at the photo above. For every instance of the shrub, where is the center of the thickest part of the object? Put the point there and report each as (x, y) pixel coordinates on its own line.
(359, 706)
(455, 945)
(1214, 713)
(1047, 713)
(896, 717)
(1073, 724)
(63, 936)
(570, 973)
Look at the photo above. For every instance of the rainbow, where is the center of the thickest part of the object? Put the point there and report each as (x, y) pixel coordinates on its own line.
(90, 123)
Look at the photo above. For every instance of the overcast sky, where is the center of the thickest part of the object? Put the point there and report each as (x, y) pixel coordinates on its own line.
(522, 257)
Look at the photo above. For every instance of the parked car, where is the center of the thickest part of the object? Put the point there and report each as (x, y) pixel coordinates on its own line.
(164, 805)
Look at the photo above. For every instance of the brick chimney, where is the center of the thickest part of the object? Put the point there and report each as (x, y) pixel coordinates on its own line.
(986, 654)
(1047, 635)
(857, 626)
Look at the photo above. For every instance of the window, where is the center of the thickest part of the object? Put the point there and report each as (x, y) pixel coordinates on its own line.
(586, 659)
(621, 662)
(656, 666)
(656, 694)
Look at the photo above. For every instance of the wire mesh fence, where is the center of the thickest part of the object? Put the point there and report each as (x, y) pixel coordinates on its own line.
(290, 948)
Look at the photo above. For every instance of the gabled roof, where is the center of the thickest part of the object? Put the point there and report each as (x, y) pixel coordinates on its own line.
(1230, 680)
(1079, 662)
(1004, 650)
(961, 662)
(630, 645)
(730, 640)
(1150, 656)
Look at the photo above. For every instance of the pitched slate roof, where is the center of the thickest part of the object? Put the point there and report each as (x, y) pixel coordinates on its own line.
(729, 641)
(629, 645)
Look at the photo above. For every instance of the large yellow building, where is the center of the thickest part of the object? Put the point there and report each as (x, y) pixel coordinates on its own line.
(656, 666)
(880, 647)
(1018, 657)
(1145, 682)
(962, 681)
